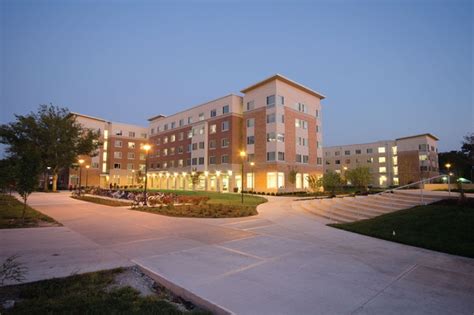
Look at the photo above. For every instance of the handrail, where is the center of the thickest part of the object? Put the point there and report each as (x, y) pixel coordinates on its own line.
(412, 184)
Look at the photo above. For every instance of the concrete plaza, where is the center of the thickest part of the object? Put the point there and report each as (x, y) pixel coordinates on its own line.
(282, 261)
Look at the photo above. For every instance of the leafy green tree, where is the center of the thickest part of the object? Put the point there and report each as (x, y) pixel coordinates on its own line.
(54, 134)
(331, 181)
(7, 174)
(314, 182)
(27, 171)
(359, 177)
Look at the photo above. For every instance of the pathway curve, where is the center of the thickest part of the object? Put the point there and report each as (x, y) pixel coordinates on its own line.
(283, 261)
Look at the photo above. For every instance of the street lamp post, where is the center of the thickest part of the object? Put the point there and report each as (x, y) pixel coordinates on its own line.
(87, 174)
(81, 161)
(252, 164)
(448, 166)
(242, 155)
(147, 148)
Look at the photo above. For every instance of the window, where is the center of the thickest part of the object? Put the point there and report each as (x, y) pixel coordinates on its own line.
(270, 118)
(358, 152)
(190, 133)
(181, 136)
(142, 156)
(201, 161)
(224, 159)
(152, 131)
(165, 152)
(195, 146)
(298, 158)
(251, 122)
(381, 149)
(118, 132)
(172, 138)
(302, 141)
(395, 170)
(225, 125)
(370, 160)
(250, 105)
(212, 160)
(165, 140)
(271, 137)
(282, 119)
(370, 151)
(212, 144)
(423, 157)
(275, 180)
(172, 151)
(212, 128)
(173, 125)
(165, 127)
(131, 155)
(423, 147)
(395, 160)
(143, 135)
(224, 143)
(201, 145)
(180, 162)
(180, 149)
(382, 169)
(305, 159)
(337, 162)
(271, 100)
(129, 166)
(394, 150)
(194, 161)
(201, 130)
(116, 165)
(251, 140)
(280, 137)
(301, 107)
(190, 120)
(181, 122)
(201, 117)
(319, 161)
(118, 155)
(337, 153)
(225, 109)
(250, 157)
(131, 145)
(281, 156)
(213, 113)
(190, 147)
(250, 180)
(270, 156)
(281, 100)
(118, 143)
(347, 152)
(300, 123)
(165, 164)
(158, 141)
(382, 159)
(317, 113)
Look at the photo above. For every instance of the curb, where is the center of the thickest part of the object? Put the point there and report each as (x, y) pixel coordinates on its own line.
(184, 293)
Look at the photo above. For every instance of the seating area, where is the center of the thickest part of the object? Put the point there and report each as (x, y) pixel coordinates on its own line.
(349, 209)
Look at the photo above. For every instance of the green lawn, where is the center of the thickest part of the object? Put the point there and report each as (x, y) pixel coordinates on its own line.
(90, 293)
(11, 211)
(220, 198)
(444, 226)
(102, 201)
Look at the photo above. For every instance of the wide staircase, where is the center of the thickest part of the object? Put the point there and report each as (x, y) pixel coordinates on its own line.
(349, 209)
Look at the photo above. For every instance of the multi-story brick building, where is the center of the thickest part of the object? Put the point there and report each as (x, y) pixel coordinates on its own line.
(391, 162)
(276, 124)
(119, 159)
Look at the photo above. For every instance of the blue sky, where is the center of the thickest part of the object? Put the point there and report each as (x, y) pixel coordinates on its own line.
(388, 68)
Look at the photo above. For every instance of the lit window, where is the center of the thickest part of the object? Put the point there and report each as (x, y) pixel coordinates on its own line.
(298, 182)
(382, 169)
(381, 149)
(131, 145)
(172, 138)
(271, 180)
(382, 159)
(394, 150)
(395, 160)
(213, 128)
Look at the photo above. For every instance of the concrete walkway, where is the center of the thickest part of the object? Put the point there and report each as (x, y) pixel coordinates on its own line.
(280, 262)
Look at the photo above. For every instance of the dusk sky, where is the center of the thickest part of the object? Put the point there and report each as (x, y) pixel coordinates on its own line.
(388, 68)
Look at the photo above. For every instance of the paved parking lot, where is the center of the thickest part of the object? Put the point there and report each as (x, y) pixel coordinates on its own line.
(280, 262)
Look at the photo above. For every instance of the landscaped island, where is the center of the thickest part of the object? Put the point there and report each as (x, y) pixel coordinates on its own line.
(445, 226)
(197, 204)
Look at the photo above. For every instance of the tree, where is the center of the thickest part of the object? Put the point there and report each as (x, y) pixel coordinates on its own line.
(54, 134)
(27, 171)
(292, 176)
(195, 176)
(460, 163)
(314, 182)
(331, 181)
(7, 174)
(468, 146)
(359, 177)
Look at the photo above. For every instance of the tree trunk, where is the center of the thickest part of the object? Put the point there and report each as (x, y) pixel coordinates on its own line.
(55, 182)
(45, 184)
(24, 210)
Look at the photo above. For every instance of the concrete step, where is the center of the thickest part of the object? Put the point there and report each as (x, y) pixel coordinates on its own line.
(395, 200)
(318, 212)
(359, 214)
(369, 203)
(328, 212)
(363, 209)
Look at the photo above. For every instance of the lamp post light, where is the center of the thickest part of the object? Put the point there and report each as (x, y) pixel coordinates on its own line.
(448, 166)
(242, 156)
(81, 161)
(87, 173)
(147, 148)
(252, 164)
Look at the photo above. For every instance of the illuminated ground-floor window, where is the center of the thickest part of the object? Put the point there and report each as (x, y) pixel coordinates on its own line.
(275, 180)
